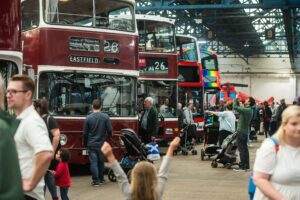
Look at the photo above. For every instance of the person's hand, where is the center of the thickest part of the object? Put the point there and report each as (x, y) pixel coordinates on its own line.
(52, 171)
(153, 138)
(207, 111)
(27, 186)
(175, 142)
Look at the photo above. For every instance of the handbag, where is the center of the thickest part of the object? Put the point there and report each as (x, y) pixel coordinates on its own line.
(153, 151)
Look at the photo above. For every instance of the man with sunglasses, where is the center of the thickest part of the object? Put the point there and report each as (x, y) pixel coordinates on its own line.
(33, 145)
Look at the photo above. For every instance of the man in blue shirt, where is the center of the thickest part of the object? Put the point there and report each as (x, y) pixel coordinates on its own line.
(97, 127)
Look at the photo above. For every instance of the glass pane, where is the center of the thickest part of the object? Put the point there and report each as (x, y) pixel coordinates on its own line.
(210, 64)
(73, 93)
(189, 74)
(113, 15)
(7, 70)
(189, 52)
(164, 94)
(195, 94)
(30, 14)
(156, 37)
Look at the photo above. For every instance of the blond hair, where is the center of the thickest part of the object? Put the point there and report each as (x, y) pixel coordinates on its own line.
(291, 111)
(144, 182)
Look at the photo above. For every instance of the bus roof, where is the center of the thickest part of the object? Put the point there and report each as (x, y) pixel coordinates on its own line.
(154, 18)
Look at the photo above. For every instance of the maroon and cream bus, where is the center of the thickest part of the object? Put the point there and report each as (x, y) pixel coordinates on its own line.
(78, 51)
(158, 71)
(10, 39)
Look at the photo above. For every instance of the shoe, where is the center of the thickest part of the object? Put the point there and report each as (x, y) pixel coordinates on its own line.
(102, 182)
(239, 170)
(96, 184)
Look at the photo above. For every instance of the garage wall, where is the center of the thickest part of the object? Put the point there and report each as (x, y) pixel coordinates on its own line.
(265, 77)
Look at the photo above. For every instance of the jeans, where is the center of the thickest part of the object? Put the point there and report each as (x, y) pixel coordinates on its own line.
(64, 193)
(96, 164)
(50, 184)
(243, 149)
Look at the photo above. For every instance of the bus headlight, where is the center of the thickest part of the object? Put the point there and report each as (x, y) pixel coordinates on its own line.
(63, 139)
(169, 131)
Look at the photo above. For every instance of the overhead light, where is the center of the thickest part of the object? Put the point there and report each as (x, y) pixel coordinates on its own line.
(202, 42)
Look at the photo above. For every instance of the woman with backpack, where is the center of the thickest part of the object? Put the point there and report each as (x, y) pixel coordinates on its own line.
(276, 167)
(42, 107)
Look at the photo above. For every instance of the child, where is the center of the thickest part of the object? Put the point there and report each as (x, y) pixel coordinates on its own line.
(145, 183)
(62, 174)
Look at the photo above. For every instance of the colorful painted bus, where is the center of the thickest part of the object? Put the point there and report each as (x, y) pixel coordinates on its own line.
(78, 51)
(158, 71)
(211, 77)
(190, 78)
(10, 39)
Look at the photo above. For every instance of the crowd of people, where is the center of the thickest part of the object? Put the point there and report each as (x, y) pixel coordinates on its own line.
(31, 143)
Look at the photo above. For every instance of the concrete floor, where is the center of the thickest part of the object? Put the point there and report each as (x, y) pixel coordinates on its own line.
(189, 178)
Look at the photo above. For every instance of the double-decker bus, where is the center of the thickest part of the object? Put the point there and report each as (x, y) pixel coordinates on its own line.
(211, 77)
(158, 71)
(10, 39)
(190, 78)
(78, 51)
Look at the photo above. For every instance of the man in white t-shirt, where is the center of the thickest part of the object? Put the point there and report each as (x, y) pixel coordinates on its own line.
(32, 141)
(227, 122)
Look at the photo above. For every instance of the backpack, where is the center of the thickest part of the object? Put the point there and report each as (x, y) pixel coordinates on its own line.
(251, 185)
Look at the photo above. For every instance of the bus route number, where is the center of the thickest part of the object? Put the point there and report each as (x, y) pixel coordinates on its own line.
(111, 46)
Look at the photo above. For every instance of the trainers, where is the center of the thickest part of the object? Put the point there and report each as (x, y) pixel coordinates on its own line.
(102, 182)
(240, 170)
(96, 184)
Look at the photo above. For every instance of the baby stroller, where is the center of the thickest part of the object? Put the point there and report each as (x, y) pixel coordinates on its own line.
(186, 137)
(227, 155)
(135, 152)
(210, 146)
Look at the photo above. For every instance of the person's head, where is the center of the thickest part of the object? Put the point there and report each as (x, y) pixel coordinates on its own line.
(63, 155)
(96, 104)
(290, 124)
(166, 101)
(190, 104)
(148, 102)
(37, 106)
(282, 101)
(179, 106)
(2, 92)
(266, 104)
(250, 102)
(144, 181)
(20, 91)
(228, 106)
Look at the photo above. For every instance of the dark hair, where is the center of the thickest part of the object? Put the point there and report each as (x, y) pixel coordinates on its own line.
(27, 82)
(251, 101)
(228, 106)
(37, 103)
(44, 106)
(96, 104)
(65, 155)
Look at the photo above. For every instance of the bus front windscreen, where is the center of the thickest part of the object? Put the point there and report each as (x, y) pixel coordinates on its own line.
(156, 36)
(164, 94)
(104, 14)
(72, 94)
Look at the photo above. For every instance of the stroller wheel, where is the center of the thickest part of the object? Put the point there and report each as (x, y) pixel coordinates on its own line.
(214, 164)
(202, 154)
(227, 166)
(185, 152)
(111, 176)
(194, 152)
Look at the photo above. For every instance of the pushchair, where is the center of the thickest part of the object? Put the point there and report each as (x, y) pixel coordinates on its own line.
(186, 137)
(227, 155)
(211, 137)
(135, 152)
